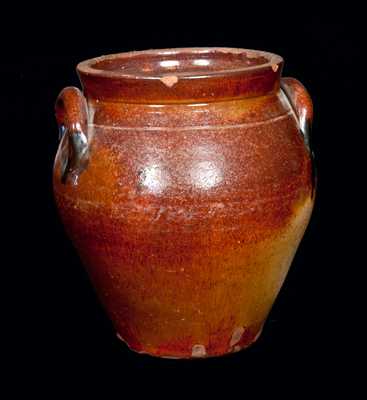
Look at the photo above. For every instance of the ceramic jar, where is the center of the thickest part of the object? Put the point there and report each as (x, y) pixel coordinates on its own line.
(184, 178)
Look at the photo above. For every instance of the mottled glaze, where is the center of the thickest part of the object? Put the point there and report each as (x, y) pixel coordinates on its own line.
(195, 190)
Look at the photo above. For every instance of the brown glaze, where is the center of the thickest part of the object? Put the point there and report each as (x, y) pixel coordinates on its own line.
(197, 192)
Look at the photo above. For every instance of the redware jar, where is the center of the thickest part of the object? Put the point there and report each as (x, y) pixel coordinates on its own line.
(184, 179)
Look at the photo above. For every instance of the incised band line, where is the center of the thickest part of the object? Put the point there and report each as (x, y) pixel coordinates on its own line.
(190, 128)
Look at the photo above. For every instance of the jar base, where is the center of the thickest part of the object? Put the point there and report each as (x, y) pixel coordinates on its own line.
(194, 355)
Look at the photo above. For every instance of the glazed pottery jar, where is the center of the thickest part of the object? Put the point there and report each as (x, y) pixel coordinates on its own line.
(184, 179)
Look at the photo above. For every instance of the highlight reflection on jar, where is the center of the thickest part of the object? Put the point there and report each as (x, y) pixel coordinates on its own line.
(153, 178)
(206, 174)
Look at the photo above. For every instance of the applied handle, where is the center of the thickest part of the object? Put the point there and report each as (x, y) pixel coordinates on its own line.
(72, 118)
(301, 104)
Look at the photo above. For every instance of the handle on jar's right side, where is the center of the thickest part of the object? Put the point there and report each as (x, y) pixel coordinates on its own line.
(301, 104)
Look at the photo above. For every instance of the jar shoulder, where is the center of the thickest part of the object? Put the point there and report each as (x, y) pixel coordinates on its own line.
(218, 113)
(239, 161)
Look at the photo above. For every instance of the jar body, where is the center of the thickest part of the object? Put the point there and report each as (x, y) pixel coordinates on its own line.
(187, 218)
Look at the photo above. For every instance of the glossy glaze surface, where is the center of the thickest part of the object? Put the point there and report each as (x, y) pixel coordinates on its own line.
(192, 205)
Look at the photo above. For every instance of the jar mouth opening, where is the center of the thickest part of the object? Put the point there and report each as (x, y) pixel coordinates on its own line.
(178, 63)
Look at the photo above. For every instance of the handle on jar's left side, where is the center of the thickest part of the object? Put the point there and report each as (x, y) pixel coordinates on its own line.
(72, 118)
(301, 104)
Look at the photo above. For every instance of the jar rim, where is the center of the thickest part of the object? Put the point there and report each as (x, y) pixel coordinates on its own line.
(181, 74)
(99, 65)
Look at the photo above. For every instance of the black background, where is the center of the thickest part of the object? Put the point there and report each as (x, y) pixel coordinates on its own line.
(61, 338)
